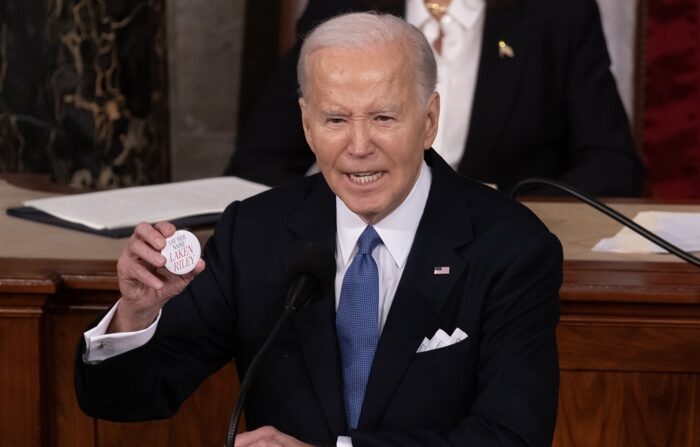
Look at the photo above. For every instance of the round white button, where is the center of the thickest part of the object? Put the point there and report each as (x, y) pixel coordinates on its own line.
(182, 251)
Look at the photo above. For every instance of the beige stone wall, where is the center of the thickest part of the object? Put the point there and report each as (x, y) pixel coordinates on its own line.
(205, 41)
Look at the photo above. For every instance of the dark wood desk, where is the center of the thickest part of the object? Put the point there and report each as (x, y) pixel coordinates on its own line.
(53, 283)
(629, 342)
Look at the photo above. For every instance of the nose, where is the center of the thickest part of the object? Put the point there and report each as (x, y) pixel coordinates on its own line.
(360, 144)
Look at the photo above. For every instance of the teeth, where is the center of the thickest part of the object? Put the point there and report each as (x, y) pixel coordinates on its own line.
(365, 177)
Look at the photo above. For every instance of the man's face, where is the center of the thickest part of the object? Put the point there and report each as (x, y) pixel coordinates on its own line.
(363, 119)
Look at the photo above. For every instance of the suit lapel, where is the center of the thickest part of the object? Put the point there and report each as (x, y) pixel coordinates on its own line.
(497, 83)
(314, 221)
(420, 293)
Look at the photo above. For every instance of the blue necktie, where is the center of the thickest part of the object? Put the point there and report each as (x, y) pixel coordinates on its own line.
(357, 323)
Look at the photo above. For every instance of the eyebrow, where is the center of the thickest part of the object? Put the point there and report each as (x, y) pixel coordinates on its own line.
(373, 109)
(334, 112)
(382, 110)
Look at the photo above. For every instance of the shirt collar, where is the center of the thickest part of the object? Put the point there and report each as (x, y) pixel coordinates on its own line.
(397, 230)
(465, 12)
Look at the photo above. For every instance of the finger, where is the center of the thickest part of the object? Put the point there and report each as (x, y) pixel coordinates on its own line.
(150, 235)
(168, 276)
(142, 251)
(262, 436)
(166, 228)
(135, 270)
(244, 439)
(267, 437)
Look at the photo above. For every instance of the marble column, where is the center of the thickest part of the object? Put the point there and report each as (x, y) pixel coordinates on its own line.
(83, 91)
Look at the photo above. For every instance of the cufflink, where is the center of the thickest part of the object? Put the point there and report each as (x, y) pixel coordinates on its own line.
(505, 50)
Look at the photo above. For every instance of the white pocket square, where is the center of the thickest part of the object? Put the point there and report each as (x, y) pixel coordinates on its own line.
(441, 340)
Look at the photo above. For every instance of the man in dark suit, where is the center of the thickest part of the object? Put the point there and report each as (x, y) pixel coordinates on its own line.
(548, 107)
(460, 283)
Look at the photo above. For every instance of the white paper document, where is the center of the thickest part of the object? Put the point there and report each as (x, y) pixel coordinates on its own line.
(680, 229)
(128, 207)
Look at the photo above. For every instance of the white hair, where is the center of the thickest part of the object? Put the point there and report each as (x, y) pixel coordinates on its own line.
(361, 30)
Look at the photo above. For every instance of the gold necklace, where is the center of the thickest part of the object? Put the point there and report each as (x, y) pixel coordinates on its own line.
(436, 9)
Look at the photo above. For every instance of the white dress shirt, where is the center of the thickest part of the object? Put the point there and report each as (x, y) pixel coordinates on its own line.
(463, 27)
(99, 345)
(397, 231)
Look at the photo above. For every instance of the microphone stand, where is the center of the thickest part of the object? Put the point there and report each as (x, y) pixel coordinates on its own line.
(613, 214)
(247, 379)
(313, 272)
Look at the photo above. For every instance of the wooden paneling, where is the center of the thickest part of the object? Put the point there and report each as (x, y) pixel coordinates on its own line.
(629, 341)
(629, 344)
(629, 347)
(201, 421)
(38, 338)
(628, 409)
(21, 406)
(68, 426)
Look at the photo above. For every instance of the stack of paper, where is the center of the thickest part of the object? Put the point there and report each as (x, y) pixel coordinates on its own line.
(100, 212)
(680, 229)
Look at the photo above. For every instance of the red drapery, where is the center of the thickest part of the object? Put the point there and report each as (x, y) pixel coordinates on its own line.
(671, 113)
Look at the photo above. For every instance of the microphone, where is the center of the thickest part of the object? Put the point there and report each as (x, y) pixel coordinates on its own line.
(309, 278)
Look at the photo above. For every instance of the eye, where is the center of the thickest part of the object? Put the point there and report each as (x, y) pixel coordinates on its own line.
(335, 120)
(384, 118)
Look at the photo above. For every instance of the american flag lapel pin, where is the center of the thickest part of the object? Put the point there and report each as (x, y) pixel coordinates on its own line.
(441, 270)
(505, 50)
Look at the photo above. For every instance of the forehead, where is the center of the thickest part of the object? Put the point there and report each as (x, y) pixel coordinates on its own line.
(363, 71)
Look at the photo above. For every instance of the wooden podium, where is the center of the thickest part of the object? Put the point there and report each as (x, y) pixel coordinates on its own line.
(629, 339)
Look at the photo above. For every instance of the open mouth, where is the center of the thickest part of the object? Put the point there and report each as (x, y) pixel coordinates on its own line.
(363, 178)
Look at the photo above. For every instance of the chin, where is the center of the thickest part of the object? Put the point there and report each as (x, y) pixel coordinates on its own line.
(369, 215)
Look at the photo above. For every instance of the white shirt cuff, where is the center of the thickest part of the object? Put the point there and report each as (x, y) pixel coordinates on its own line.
(100, 346)
(344, 441)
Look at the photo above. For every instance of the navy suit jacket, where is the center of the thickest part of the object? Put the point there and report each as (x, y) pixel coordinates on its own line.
(553, 110)
(497, 387)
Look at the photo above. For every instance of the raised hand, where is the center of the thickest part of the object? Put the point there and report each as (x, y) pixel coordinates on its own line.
(144, 282)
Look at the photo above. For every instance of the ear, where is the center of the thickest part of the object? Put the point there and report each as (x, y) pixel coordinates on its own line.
(305, 122)
(432, 117)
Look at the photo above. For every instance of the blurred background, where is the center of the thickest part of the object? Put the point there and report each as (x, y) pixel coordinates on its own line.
(104, 94)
